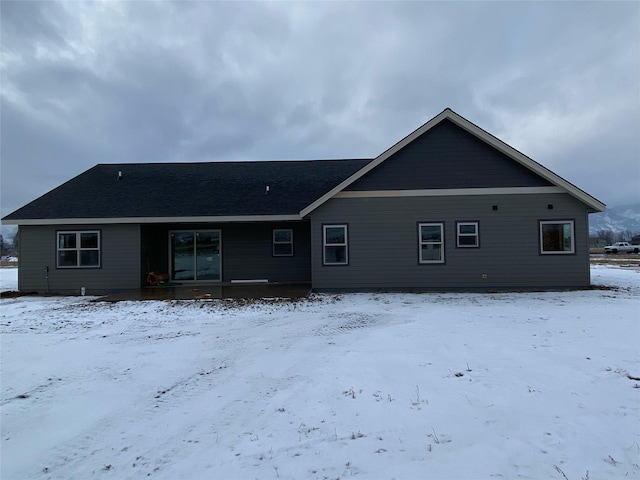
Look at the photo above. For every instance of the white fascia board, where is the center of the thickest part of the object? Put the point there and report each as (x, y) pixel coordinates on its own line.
(449, 192)
(498, 144)
(144, 220)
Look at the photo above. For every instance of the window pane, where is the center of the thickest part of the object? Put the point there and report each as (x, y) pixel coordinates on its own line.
(282, 249)
(430, 233)
(566, 237)
(335, 254)
(89, 240)
(468, 241)
(207, 255)
(552, 237)
(335, 235)
(467, 228)
(557, 237)
(89, 258)
(182, 255)
(208, 243)
(68, 258)
(66, 240)
(431, 252)
(282, 236)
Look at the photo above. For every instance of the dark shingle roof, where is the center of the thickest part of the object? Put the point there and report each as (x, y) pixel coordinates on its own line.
(190, 189)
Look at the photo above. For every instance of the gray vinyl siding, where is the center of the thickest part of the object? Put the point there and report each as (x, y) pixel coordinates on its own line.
(247, 253)
(246, 250)
(383, 244)
(120, 260)
(447, 157)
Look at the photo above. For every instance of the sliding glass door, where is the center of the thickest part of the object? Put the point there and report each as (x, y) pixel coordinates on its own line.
(195, 255)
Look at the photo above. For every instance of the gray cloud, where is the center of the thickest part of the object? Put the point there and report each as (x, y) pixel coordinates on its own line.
(84, 83)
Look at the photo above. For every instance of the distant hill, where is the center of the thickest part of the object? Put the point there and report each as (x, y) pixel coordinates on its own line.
(616, 219)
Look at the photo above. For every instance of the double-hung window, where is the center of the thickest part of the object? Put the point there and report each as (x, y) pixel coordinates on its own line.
(335, 245)
(557, 237)
(431, 242)
(79, 249)
(282, 242)
(467, 234)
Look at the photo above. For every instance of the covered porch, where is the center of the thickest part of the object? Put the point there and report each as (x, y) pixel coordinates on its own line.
(216, 255)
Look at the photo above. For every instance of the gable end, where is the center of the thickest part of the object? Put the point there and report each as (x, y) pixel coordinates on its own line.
(554, 180)
(447, 157)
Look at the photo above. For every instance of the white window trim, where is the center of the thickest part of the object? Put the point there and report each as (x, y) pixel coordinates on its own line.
(572, 251)
(421, 242)
(273, 248)
(78, 249)
(476, 235)
(344, 244)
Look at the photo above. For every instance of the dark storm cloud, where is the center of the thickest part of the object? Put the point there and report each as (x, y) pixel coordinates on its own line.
(84, 83)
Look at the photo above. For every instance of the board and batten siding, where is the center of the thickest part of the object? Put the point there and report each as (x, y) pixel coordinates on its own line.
(120, 260)
(383, 243)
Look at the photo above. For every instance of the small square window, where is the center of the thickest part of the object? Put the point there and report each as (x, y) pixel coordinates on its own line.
(282, 242)
(467, 234)
(557, 237)
(335, 245)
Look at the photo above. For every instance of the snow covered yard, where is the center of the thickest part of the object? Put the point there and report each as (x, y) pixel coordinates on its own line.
(529, 385)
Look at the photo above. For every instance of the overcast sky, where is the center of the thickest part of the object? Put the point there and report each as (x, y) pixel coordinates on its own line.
(88, 83)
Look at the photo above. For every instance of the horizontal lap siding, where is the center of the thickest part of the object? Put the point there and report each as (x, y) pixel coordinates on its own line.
(120, 260)
(383, 243)
(247, 253)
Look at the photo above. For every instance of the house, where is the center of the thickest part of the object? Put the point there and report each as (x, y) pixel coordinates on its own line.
(449, 207)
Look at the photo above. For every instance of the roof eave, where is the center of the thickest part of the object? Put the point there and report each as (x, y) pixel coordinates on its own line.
(146, 220)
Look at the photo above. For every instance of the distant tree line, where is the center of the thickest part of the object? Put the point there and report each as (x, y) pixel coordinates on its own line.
(9, 248)
(609, 236)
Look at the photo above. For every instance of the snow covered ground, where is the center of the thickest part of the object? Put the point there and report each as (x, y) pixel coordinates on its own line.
(527, 385)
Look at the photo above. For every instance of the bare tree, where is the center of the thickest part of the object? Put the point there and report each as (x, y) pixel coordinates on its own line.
(608, 235)
(16, 242)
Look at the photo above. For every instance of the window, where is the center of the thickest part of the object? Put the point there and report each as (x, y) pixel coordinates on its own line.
(282, 243)
(557, 237)
(467, 234)
(196, 255)
(431, 242)
(79, 249)
(334, 241)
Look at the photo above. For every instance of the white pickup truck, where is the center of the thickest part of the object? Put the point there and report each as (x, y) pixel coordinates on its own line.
(622, 247)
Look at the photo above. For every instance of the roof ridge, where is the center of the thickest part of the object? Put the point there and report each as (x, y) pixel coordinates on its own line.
(217, 162)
